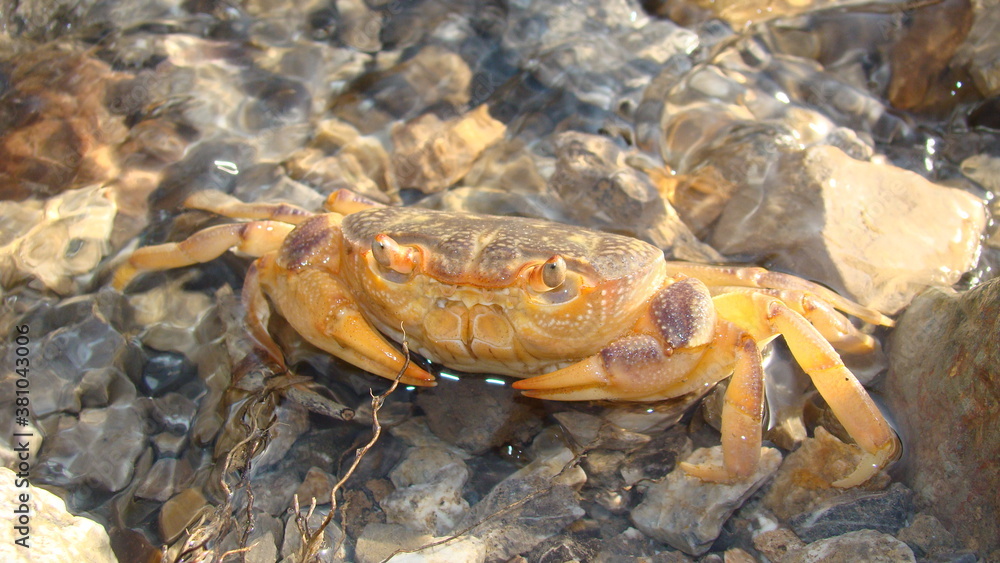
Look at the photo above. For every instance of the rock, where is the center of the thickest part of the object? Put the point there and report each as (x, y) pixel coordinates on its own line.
(316, 484)
(61, 134)
(262, 543)
(167, 477)
(806, 478)
(884, 511)
(657, 458)
(184, 509)
(927, 536)
(633, 544)
(430, 154)
(776, 544)
(98, 448)
(479, 415)
(379, 541)
(533, 504)
(428, 495)
(943, 360)
(589, 431)
(873, 232)
(53, 534)
(688, 514)
(58, 242)
(863, 545)
(602, 191)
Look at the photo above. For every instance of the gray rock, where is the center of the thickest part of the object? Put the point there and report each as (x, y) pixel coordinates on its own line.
(927, 536)
(864, 545)
(883, 511)
(97, 449)
(634, 544)
(479, 415)
(531, 505)
(688, 514)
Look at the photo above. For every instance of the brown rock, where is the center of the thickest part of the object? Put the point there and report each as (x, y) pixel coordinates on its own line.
(805, 478)
(430, 154)
(775, 544)
(943, 390)
(863, 545)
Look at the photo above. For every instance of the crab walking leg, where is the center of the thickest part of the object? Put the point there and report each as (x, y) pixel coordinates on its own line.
(760, 278)
(742, 413)
(764, 317)
(322, 310)
(255, 238)
(228, 206)
(831, 323)
(345, 202)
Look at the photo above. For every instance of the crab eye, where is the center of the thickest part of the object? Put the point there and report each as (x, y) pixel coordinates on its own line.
(390, 255)
(549, 275)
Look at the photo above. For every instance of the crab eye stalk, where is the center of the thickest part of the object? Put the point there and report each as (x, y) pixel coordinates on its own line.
(548, 276)
(390, 255)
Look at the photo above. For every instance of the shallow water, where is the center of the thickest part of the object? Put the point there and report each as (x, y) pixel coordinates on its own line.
(850, 144)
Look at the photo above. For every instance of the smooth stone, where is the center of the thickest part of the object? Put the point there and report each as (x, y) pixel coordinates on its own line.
(180, 512)
(432, 507)
(332, 550)
(378, 542)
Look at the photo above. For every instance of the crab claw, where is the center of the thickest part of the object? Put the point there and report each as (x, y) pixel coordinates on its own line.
(655, 361)
(636, 368)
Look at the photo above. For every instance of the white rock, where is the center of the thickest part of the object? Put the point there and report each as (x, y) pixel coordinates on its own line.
(53, 533)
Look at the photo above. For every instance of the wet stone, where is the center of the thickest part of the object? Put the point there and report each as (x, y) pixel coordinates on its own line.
(884, 511)
(805, 479)
(316, 484)
(657, 458)
(428, 495)
(687, 513)
(775, 544)
(927, 536)
(165, 478)
(55, 533)
(431, 154)
(263, 541)
(181, 511)
(914, 234)
(943, 360)
(533, 504)
(634, 544)
(863, 545)
(479, 416)
(379, 541)
(98, 448)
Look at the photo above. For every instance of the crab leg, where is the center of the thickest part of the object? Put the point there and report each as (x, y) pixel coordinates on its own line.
(226, 205)
(255, 238)
(760, 278)
(763, 318)
(832, 324)
(742, 413)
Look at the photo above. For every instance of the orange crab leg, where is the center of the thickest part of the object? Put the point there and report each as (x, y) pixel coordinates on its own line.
(255, 238)
(226, 205)
(765, 317)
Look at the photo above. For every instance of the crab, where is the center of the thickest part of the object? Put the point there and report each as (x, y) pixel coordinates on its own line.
(576, 314)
